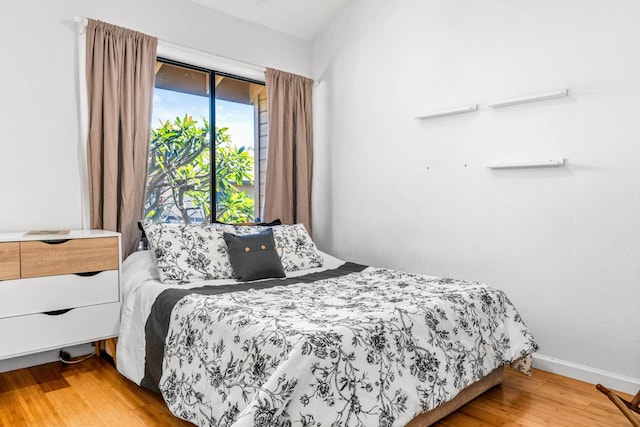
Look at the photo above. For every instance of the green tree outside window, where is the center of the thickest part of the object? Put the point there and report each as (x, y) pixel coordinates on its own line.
(179, 176)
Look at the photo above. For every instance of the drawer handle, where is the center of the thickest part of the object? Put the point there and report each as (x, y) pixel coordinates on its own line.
(57, 312)
(55, 242)
(88, 273)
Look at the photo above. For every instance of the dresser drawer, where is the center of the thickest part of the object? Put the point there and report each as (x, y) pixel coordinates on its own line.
(9, 260)
(49, 258)
(40, 332)
(43, 294)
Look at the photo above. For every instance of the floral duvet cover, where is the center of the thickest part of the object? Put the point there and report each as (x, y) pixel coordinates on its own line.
(346, 347)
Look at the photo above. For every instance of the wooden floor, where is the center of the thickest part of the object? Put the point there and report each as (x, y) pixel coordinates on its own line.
(93, 393)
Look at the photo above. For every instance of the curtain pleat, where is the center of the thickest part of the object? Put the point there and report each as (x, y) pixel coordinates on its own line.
(290, 150)
(120, 80)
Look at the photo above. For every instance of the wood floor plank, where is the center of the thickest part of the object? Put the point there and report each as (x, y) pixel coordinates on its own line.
(48, 378)
(545, 399)
(17, 380)
(72, 407)
(10, 413)
(93, 393)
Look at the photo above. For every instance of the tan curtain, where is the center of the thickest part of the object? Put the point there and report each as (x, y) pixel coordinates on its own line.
(290, 151)
(120, 80)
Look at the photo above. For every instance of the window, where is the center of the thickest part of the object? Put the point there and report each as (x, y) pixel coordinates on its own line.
(207, 157)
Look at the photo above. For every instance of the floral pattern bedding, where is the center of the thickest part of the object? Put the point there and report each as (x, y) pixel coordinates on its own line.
(371, 348)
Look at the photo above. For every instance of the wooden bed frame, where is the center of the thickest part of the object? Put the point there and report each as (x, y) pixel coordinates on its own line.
(465, 396)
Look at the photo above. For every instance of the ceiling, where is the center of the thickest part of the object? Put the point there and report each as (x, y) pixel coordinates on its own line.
(304, 19)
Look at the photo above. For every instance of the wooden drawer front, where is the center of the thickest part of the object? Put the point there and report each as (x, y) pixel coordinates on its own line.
(42, 294)
(39, 332)
(71, 256)
(9, 260)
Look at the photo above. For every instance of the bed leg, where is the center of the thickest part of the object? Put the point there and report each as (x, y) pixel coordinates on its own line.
(109, 346)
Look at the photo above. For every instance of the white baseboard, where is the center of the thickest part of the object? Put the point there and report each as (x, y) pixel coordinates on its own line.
(587, 374)
(42, 358)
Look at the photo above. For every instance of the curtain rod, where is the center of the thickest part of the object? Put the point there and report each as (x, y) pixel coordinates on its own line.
(186, 54)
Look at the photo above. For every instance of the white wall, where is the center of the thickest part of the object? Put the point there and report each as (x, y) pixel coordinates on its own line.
(39, 175)
(394, 191)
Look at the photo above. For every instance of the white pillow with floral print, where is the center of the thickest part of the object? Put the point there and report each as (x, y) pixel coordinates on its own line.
(225, 228)
(296, 248)
(294, 245)
(187, 253)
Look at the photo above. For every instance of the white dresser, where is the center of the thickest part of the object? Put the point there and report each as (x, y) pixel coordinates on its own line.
(58, 290)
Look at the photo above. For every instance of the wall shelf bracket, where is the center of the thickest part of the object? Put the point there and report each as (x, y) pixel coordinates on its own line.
(531, 98)
(522, 165)
(459, 110)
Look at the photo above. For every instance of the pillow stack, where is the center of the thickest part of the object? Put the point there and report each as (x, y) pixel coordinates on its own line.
(187, 253)
(294, 245)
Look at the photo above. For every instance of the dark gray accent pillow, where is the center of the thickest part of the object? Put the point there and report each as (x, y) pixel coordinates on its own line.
(254, 256)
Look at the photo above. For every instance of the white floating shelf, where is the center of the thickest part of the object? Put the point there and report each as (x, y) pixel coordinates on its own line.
(522, 165)
(460, 110)
(531, 98)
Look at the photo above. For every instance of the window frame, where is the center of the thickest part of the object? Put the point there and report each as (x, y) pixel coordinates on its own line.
(212, 73)
(211, 61)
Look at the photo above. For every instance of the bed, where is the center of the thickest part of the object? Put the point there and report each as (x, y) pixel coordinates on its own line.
(332, 343)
